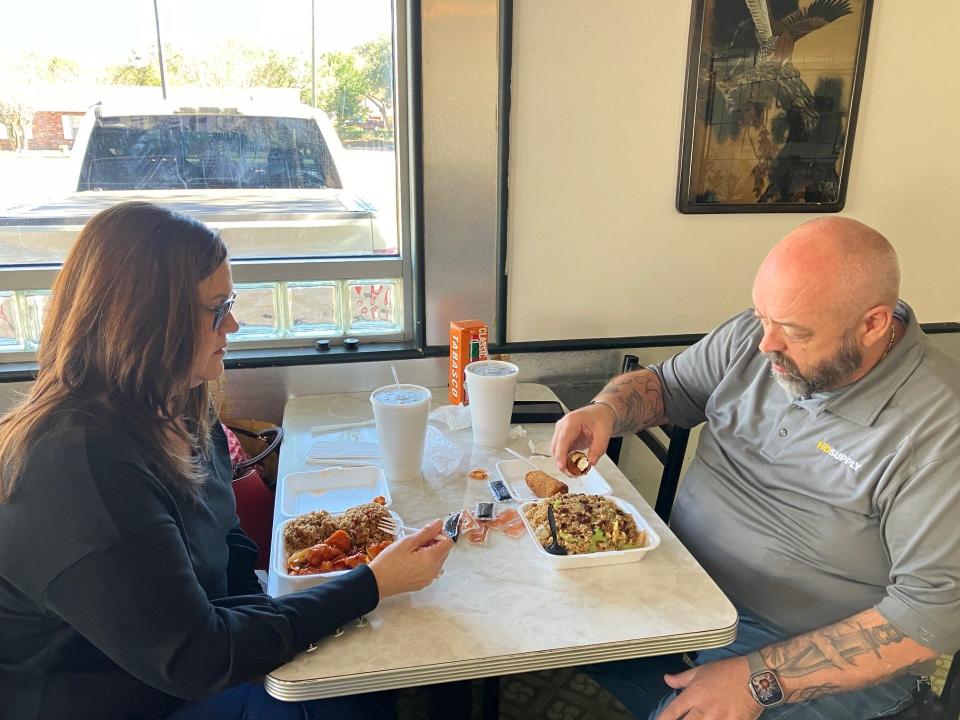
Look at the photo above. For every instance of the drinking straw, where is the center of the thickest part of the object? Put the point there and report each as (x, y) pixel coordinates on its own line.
(396, 379)
(323, 429)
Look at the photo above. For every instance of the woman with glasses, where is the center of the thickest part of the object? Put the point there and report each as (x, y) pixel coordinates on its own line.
(126, 585)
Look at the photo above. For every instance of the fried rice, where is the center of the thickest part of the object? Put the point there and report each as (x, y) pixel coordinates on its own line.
(360, 523)
(586, 524)
(308, 529)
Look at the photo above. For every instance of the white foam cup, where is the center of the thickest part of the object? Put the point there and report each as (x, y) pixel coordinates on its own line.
(490, 388)
(400, 413)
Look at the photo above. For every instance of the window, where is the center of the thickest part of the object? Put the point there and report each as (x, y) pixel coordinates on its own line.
(203, 151)
(286, 143)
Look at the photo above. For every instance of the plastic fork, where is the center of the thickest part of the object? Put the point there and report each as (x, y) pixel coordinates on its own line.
(553, 547)
(389, 525)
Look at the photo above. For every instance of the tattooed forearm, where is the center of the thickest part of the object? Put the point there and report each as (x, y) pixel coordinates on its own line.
(858, 652)
(637, 398)
(836, 646)
(813, 692)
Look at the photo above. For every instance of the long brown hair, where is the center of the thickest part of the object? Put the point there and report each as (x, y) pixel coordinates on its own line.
(120, 338)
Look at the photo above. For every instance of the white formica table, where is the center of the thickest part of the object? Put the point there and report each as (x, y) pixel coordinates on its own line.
(498, 609)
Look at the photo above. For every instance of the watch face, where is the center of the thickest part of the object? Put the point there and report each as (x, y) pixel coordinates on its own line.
(766, 688)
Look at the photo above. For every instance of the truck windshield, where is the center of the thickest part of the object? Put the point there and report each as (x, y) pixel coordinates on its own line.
(196, 151)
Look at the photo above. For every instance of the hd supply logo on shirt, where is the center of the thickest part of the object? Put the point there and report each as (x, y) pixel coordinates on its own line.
(838, 456)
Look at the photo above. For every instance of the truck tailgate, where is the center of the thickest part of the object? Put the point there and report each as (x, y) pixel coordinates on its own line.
(254, 223)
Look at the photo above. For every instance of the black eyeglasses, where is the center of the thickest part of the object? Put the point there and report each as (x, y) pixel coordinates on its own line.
(221, 311)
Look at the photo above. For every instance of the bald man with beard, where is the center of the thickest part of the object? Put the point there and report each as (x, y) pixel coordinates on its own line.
(823, 495)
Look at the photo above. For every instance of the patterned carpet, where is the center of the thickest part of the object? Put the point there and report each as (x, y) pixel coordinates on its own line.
(562, 694)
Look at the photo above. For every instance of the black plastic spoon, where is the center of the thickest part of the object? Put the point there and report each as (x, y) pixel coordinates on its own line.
(553, 547)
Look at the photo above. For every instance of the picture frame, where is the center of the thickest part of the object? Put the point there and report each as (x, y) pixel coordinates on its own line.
(770, 104)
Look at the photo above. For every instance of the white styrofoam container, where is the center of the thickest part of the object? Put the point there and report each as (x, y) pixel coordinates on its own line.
(299, 582)
(333, 489)
(514, 474)
(608, 557)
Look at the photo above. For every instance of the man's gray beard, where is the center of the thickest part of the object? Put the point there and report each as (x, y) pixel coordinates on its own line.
(827, 375)
(794, 385)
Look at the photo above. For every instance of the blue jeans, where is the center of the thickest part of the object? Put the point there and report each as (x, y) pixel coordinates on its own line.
(639, 684)
(250, 701)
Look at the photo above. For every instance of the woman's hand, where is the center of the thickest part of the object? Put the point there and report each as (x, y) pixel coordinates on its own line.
(412, 562)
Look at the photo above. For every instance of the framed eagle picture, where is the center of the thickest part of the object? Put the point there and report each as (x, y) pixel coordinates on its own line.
(770, 104)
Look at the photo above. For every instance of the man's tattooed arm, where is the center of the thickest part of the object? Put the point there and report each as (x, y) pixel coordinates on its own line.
(637, 399)
(863, 650)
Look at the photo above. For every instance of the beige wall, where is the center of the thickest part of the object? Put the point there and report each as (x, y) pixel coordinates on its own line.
(596, 247)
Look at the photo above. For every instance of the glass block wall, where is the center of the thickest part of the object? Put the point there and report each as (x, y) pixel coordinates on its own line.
(265, 311)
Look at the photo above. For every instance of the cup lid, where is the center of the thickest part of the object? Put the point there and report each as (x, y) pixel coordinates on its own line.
(491, 368)
(400, 395)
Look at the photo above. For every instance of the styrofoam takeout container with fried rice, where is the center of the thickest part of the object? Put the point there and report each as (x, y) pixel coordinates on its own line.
(299, 582)
(335, 490)
(606, 557)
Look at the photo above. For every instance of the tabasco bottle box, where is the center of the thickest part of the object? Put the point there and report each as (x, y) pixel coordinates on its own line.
(468, 342)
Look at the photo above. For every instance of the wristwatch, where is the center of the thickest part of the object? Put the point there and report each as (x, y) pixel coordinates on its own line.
(764, 684)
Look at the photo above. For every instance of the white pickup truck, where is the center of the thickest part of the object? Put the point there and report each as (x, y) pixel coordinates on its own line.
(268, 177)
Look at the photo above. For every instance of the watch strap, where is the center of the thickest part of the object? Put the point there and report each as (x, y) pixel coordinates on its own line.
(756, 663)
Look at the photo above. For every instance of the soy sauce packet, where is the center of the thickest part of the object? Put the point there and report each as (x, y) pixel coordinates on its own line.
(485, 511)
(451, 525)
(499, 491)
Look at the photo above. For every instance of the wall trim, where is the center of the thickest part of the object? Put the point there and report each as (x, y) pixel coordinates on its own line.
(375, 352)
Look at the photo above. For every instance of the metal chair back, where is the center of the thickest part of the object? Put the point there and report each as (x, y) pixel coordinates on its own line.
(670, 454)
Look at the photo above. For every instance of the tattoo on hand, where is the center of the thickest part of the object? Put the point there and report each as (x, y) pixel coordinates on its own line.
(836, 646)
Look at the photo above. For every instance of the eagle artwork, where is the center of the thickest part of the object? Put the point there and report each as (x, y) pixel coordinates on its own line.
(773, 99)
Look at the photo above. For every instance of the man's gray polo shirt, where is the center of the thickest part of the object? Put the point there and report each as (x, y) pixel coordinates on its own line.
(806, 513)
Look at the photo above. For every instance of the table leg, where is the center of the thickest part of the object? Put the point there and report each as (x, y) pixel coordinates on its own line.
(450, 701)
(491, 698)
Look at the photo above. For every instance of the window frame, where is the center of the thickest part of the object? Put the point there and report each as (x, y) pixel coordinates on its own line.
(405, 38)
